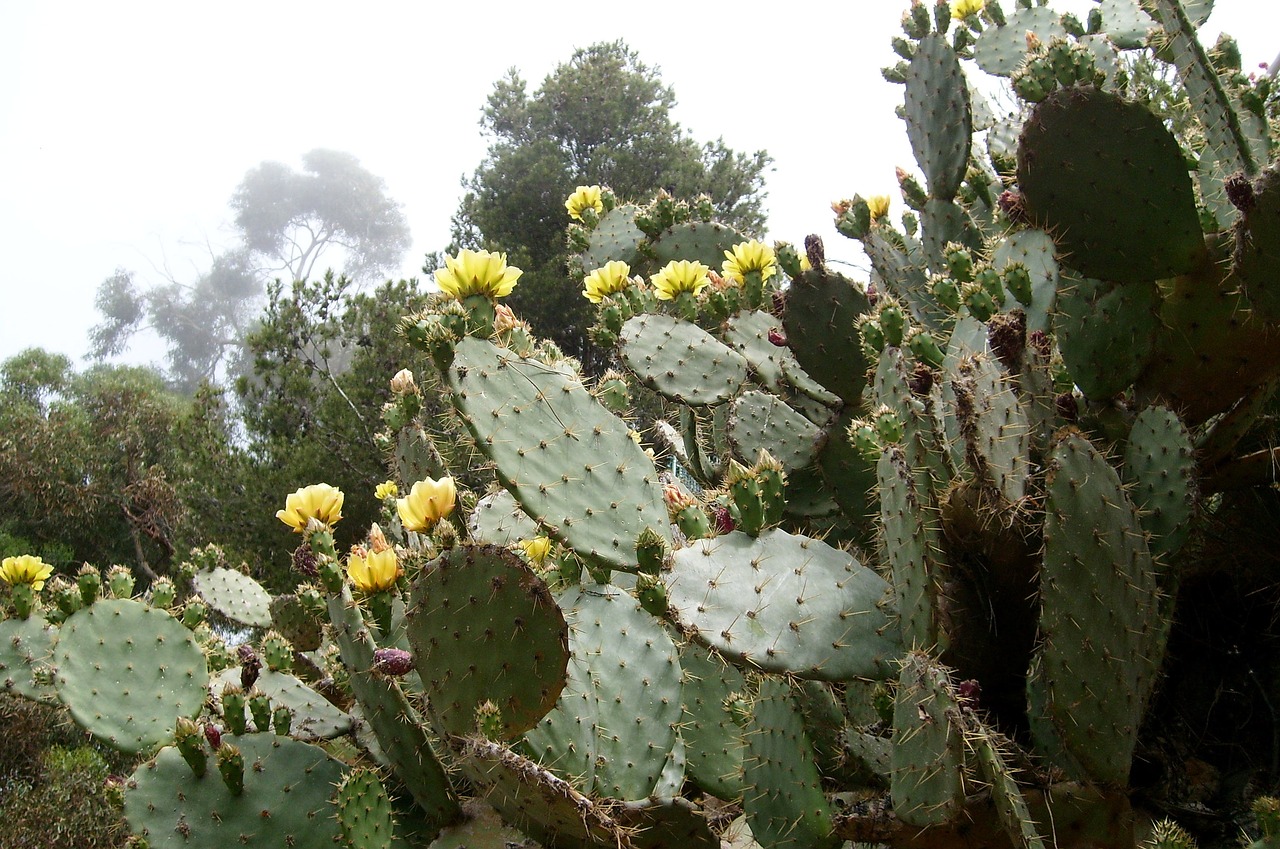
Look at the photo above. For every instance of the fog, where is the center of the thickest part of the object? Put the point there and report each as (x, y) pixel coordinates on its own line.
(125, 128)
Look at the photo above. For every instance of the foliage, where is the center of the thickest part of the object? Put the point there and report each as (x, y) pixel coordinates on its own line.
(603, 117)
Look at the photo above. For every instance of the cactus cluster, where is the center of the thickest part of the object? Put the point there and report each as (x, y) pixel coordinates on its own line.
(898, 564)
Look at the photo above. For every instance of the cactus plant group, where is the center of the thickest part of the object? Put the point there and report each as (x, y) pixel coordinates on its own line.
(898, 565)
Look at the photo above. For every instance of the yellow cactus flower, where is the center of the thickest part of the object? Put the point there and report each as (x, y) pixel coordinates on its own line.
(385, 490)
(428, 502)
(961, 9)
(319, 501)
(805, 265)
(583, 198)
(879, 204)
(372, 571)
(536, 549)
(679, 276)
(25, 569)
(750, 256)
(614, 277)
(477, 273)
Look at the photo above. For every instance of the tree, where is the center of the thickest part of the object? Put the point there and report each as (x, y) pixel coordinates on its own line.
(286, 221)
(603, 117)
(88, 460)
(291, 219)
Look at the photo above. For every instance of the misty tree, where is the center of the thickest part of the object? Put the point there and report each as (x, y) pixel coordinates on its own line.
(602, 117)
(290, 219)
(286, 221)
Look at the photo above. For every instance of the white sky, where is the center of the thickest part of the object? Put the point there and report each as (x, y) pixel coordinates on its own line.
(125, 127)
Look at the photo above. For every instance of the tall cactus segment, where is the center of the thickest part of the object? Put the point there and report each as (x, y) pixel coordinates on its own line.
(784, 803)
(285, 800)
(785, 603)
(1106, 332)
(616, 723)
(713, 738)
(927, 781)
(912, 546)
(127, 672)
(571, 464)
(1101, 631)
(1134, 219)
(484, 627)
(938, 117)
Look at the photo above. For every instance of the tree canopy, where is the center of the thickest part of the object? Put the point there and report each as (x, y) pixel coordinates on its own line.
(603, 117)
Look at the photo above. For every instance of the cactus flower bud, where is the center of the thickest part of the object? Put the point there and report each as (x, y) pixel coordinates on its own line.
(402, 383)
(214, 735)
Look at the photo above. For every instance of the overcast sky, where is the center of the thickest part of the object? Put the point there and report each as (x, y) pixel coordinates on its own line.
(125, 127)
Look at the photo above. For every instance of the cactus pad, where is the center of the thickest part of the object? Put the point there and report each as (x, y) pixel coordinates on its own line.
(571, 464)
(614, 727)
(235, 595)
(785, 603)
(927, 781)
(364, 811)
(1100, 629)
(696, 241)
(484, 627)
(713, 741)
(1159, 464)
(287, 786)
(127, 672)
(616, 237)
(1000, 50)
(24, 643)
(498, 520)
(1134, 219)
(1106, 332)
(785, 806)
(939, 120)
(822, 309)
(763, 421)
(681, 360)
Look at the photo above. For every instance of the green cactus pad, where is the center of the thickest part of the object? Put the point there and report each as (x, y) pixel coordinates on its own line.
(570, 463)
(535, 800)
(681, 360)
(713, 741)
(785, 805)
(1159, 465)
(498, 520)
(416, 457)
(616, 722)
(484, 627)
(763, 421)
(25, 644)
(1000, 50)
(1108, 180)
(1101, 634)
(235, 595)
(927, 781)
(127, 672)
(664, 823)
(1011, 805)
(785, 603)
(365, 819)
(913, 546)
(287, 787)
(480, 828)
(748, 333)
(993, 424)
(943, 222)
(822, 309)
(1125, 24)
(939, 121)
(1106, 332)
(696, 241)
(291, 619)
(314, 718)
(616, 237)
(1035, 251)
